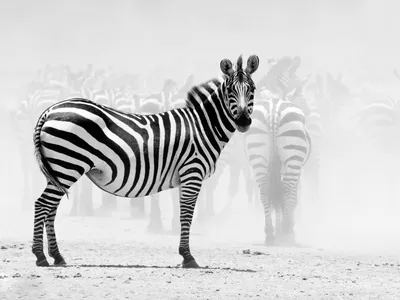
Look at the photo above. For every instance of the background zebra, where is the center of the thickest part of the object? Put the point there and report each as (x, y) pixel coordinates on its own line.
(277, 146)
(281, 80)
(379, 117)
(138, 155)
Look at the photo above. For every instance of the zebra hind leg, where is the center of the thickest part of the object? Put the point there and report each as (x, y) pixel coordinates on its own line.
(53, 250)
(45, 212)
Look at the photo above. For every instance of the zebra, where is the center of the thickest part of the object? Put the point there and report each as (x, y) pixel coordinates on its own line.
(277, 146)
(133, 155)
(282, 81)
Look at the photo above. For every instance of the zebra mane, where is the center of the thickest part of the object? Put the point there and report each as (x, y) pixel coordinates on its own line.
(197, 91)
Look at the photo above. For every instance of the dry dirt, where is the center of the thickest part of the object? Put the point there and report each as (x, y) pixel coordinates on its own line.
(114, 258)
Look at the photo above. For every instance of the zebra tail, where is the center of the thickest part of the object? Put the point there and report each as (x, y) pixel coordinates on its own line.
(43, 164)
(275, 182)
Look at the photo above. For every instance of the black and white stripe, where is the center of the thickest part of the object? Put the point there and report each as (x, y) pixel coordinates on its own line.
(133, 155)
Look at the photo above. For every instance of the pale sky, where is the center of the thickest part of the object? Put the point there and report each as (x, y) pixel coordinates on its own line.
(179, 37)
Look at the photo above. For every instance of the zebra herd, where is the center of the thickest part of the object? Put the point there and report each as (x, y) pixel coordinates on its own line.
(133, 145)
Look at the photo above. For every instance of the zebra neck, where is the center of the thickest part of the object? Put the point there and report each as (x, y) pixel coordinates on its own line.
(217, 123)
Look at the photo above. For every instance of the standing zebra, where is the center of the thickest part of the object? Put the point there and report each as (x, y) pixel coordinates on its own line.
(133, 155)
(277, 146)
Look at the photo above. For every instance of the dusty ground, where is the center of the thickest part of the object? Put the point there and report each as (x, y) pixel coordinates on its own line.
(113, 258)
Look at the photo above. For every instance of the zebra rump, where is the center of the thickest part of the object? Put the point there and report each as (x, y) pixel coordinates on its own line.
(43, 164)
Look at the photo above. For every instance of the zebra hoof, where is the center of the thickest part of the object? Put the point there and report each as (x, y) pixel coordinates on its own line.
(190, 264)
(42, 262)
(59, 261)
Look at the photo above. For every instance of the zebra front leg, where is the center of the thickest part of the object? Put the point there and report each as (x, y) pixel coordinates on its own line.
(155, 224)
(137, 208)
(189, 191)
(44, 206)
(51, 239)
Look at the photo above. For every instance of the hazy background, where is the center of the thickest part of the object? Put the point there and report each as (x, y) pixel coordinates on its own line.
(359, 39)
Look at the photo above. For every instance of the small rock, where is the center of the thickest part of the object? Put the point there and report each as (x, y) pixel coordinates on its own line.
(246, 251)
(259, 253)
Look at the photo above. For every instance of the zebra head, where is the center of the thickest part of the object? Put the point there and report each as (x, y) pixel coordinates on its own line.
(239, 90)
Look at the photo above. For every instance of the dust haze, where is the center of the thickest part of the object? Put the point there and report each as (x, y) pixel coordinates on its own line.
(358, 208)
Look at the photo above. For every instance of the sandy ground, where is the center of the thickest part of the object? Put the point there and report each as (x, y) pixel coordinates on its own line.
(114, 258)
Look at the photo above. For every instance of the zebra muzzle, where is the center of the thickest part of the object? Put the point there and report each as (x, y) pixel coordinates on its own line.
(243, 122)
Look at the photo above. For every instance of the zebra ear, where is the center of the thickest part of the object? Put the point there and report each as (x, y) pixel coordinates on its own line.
(252, 64)
(226, 67)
